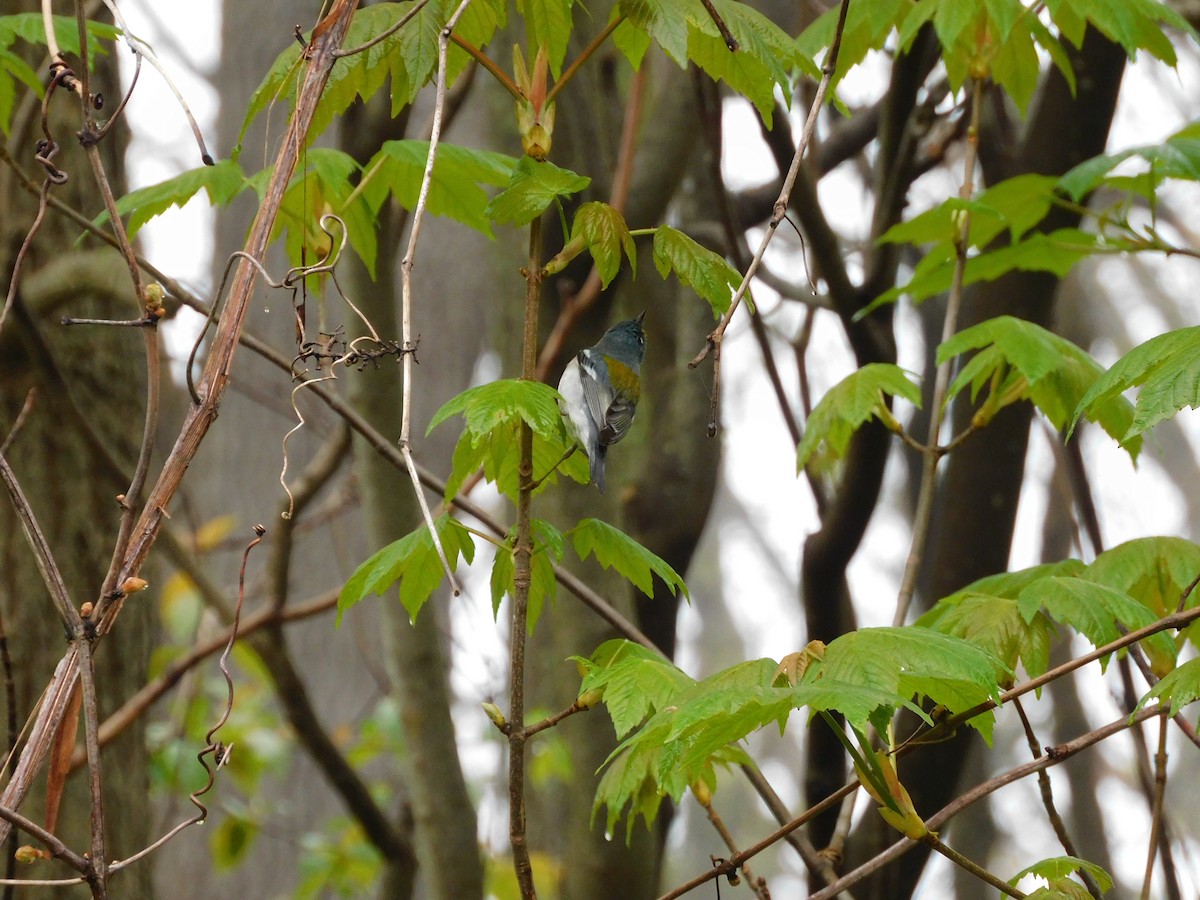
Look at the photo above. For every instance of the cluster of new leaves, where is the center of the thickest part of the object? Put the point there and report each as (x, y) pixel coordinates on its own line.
(1124, 589)
(688, 727)
(1013, 359)
(495, 414)
(996, 39)
(1003, 219)
(961, 654)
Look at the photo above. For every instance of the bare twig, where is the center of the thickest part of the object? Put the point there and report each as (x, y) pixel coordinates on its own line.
(150, 692)
(98, 875)
(57, 848)
(758, 886)
(384, 35)
(19, 421)
(932, 841)
(933, 453)
(1156, 816)
(50, 572)
(779, 210)
(731, 42)
(406, 267)
(198, 420)
(1047, 792)
(1052, 757)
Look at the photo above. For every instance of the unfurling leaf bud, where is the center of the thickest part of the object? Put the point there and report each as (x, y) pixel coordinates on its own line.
(152, 298)
(27, 854)
(493, 713)
(588, 699)
(133, 584)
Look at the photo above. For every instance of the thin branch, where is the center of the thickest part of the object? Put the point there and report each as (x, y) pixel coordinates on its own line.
(932, 453)
(1047, 792)
(409, 346)
(489, 64)
(819, 864)
(758, 886)
(19, 421)
(584, 55)
(57, 848)
(50, 572)
(731, 42)
(328, 36)
(145, 697)
(98, 875)
(932, 841)
(522, 578)
(1052, 757)
(779, 211)
(551, 720)
(380, 38)
(735, 862)
(1156, 817)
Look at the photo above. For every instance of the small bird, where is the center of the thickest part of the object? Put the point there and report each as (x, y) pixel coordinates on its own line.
(600, 387)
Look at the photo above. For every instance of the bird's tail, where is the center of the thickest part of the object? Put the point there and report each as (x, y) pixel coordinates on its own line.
(596, 464)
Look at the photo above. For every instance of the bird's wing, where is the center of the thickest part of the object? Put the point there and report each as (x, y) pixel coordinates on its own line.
(597, 391)
(617, 420)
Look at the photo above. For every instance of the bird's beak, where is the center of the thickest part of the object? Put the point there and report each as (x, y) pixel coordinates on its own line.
(641, 316)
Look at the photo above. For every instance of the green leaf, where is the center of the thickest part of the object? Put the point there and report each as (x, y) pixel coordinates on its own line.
(1154, 571)
(1056, 253)
(30, 27)
(1023, 361)
(493, 414)
(1134, 24)
(13, 67)
(1057, 867)
(456, 189)
(414, 562)
(547, 23)
(636, 681)
(989, 601)
(1010, 584)
(857, 398)
(531, 189)
(913, 661)
(614, 549)
(665, 22)
(1095, 610)
(1178, 157)
(406, 59)
(1179, 687)
(764, 58)
(868, 26)
(705, 272)
(1014, 205)
(1015, 65)
(221, 183)
(632, 41)
(605, 233)
(1166, 367)
(327, 183)
(504, 402)
(996, 625)
(695, 726)
(543, 585)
